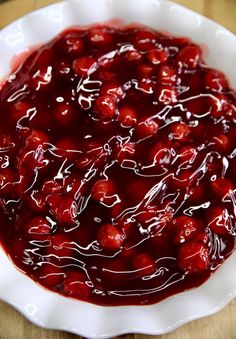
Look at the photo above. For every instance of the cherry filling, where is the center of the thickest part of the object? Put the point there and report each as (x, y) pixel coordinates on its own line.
(117, 166)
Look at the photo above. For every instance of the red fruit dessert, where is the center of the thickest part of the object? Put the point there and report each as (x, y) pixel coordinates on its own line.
(50, 275)
(144, 264)
(189, 57)
(103, 191)
(193, 257)
(184, 228)
(38, 227)
(117, 166)
(221, 187)
(146, 128)
(105, 107)
(59, 246)
(110, 238)
(82, 66)
(219, 221)
(127, 116)
(75, 285)
(99, 37)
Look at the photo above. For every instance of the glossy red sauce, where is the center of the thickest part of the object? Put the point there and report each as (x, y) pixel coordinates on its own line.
(117, 166)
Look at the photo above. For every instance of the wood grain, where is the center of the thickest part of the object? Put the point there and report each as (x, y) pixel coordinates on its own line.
(219, 326)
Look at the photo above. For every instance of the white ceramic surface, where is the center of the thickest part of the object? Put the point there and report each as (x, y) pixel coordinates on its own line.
(50, 310)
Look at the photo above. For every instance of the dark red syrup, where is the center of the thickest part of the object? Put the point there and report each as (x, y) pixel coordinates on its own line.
(117, 166)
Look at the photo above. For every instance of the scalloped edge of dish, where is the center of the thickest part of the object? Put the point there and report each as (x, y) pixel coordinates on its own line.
(53, 311)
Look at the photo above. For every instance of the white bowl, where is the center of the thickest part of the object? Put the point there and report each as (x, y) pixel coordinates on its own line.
(51, 310)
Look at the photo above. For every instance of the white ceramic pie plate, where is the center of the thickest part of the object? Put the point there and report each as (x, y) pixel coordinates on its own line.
(50, 310)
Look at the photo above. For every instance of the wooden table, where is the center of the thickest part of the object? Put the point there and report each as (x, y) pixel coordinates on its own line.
(219, 326)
